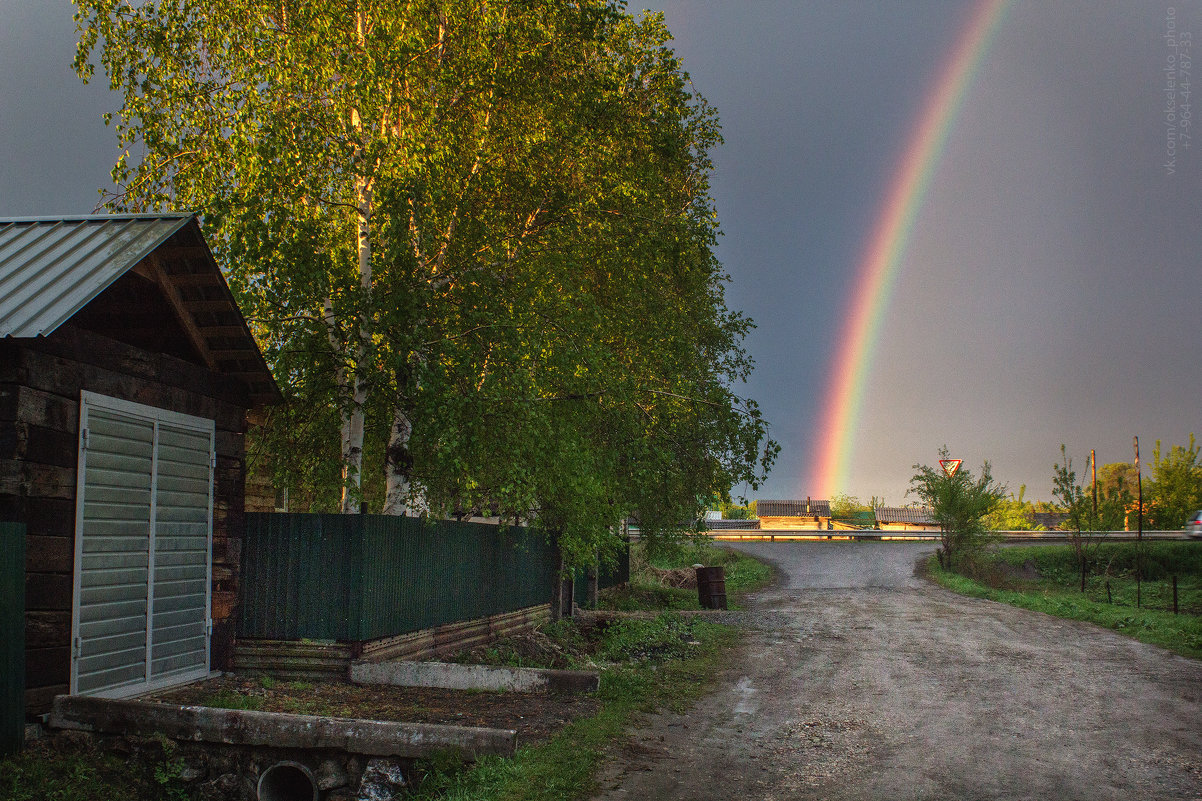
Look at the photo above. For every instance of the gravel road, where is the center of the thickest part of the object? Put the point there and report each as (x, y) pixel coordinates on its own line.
(860, 680)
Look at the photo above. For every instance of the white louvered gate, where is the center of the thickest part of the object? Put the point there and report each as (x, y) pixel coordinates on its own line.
(143, 548)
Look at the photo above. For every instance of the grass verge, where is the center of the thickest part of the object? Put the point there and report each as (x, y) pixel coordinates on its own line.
(564, 767)
(647, 590)
(1044, 579)
(667, 662)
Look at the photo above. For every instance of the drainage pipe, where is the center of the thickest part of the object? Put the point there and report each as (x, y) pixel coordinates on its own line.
(287, 781)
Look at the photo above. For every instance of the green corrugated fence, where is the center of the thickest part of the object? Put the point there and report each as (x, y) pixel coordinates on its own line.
(12, 637)
(360, 577)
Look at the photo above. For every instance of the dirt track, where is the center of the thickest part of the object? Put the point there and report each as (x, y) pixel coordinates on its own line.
(860, 680)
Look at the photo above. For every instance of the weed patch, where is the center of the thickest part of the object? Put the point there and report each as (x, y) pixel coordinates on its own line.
(86, 775)
(665, 675)
(647, 589)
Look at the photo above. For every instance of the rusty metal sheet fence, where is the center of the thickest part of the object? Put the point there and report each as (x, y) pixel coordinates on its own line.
(12, 637)
(361, 577)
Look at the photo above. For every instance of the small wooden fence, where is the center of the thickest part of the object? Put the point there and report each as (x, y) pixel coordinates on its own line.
(357, 578)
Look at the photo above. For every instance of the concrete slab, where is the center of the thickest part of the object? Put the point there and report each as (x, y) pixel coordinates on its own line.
(243, 727)
(473, 677)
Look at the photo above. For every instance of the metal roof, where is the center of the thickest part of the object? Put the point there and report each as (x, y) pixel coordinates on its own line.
(793, 508)
(731, 525)
(905, 514)
(51, 268)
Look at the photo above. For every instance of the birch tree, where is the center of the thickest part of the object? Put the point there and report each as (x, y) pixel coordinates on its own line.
(479, 234)
(281, 122)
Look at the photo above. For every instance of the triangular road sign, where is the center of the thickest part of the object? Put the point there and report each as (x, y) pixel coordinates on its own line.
(950, 466)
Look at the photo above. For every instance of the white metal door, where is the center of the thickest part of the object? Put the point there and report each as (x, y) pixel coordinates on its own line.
(143, 548)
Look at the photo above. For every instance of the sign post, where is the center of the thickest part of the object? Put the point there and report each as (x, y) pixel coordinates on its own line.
(950, 466)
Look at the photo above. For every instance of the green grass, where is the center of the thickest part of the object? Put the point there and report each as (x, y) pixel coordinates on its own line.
(1056, 590)
(563, 767)
(665, 662)
(229, 699)
(40, 774)
(743, 574)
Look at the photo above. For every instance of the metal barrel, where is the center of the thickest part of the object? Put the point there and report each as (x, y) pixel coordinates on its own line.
(711, 587)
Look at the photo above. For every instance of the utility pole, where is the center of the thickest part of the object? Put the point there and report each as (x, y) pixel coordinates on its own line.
(1093, 463)
(1139, 538)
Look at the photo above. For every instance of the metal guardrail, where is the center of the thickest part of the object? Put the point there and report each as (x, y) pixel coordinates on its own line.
(792, 535)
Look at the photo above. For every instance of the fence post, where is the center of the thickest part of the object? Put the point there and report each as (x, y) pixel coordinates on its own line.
(12, 638)
(594, 571)
(557, 584)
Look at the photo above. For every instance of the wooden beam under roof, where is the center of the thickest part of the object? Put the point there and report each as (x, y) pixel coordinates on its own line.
(152, 269)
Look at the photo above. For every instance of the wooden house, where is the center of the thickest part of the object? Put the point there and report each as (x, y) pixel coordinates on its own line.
(126, 374)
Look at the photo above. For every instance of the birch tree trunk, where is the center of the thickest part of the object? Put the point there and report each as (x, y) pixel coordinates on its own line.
(352, 418)
(397, 463)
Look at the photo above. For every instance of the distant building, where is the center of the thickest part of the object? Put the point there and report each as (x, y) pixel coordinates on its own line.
(904, 518)
(807, 514)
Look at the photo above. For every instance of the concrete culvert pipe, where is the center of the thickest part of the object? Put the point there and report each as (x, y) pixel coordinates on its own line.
(287, 781)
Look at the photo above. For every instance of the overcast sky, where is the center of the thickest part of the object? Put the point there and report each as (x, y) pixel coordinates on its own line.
(1052, 288)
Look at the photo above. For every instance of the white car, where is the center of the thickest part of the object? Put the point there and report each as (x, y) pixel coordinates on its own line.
(1193, 526)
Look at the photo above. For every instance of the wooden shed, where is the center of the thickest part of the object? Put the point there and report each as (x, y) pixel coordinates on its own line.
(905, 518)
(126, 375)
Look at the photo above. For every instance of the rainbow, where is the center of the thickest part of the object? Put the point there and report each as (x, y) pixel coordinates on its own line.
(885, 246)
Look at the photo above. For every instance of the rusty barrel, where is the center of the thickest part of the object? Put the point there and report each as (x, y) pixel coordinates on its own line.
(711, 587)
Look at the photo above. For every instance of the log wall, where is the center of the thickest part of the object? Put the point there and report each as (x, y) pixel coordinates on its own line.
(40, 384)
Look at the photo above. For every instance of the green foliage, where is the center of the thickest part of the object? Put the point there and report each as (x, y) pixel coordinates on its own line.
(1081, 513)
(666, 637)
(848, 506)
(481, 230)
(1014, 513)
(734, 511)
(40, 774)
(960, 504)
(1117, 485)
(1176, 488)
(1115, 559)
(229, 699)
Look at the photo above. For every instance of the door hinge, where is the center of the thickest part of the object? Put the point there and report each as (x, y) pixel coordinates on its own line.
(83, 438)
(75, 648)
(209, 628)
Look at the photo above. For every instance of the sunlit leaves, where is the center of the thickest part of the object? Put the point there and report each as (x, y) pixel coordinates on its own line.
(545, 312)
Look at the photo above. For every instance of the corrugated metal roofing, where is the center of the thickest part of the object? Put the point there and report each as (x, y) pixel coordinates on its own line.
(800, 508)
(904, 514)
(51, 268)
(731, 525)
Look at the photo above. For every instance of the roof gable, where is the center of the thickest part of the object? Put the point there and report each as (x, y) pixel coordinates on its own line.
(50, 269)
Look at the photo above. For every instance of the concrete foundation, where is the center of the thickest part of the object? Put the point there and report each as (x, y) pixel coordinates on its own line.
(473, 677)
(277, 730)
